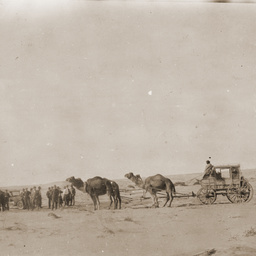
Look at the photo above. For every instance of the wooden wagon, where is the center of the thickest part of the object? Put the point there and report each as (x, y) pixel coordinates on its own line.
(226, 180)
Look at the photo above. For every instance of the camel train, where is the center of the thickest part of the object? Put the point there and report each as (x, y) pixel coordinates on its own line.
(98, 186)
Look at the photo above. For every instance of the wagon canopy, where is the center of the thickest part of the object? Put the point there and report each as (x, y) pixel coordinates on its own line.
(227, 166)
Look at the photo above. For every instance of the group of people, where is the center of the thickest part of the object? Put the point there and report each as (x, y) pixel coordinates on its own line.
(57, 198)
(31, 198)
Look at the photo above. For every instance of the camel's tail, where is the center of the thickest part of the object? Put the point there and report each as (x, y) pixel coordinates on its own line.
(170, 186)
(109, 188)
(118, 198)
(173, 189)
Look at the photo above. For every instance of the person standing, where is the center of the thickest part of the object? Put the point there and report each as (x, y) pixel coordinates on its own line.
(33, 198)
(73, 194)
(49, 196)
(60, 202)
(27, 199)
(55, 197)
(40, 196)
(66, 195)
(30, 198)
(6, 199)
(22, 194)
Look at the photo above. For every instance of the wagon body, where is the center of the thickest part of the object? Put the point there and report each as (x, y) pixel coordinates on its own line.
(232, 184)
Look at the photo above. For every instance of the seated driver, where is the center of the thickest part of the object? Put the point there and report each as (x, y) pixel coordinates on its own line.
(209, 170)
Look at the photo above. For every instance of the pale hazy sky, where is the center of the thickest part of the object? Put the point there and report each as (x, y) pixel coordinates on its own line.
(103, 88)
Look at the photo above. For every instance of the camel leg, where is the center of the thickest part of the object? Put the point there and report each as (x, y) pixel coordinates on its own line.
(156, 201)
(167, 198)
(94, 202)
(98, 201)
(154, 198)
(144, 193)
(119, 199)
(171, 196)
(111, 201)
(115, 201)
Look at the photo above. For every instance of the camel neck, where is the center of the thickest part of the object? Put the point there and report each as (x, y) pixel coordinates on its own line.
(79, 188)
(138, 183)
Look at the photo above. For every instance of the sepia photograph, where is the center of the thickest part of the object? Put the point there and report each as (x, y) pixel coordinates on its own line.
(127, 127)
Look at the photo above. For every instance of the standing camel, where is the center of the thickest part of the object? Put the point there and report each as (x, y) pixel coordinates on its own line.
(98, 186)
(153, 184)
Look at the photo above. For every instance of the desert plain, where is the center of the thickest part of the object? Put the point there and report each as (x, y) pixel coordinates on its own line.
(187, 228)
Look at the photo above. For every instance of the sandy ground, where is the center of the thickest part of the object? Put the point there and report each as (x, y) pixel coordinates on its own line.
(187, 228)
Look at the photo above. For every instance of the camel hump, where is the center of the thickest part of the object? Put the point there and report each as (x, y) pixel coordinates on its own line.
(95, 179)
(160, 182)
(98, 183)
(158, 178)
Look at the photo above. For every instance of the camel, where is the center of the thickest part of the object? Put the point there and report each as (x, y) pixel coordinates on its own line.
(98, 186)
(153, 184)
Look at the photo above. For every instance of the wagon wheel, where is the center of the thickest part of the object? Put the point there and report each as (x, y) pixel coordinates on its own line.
(206, 196)
(240, 194)
(250, 191)
(20, 205)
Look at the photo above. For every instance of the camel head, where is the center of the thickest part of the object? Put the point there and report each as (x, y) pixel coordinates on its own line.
(135, 178)
(78, 183)
(129, 175)
(71, 179)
